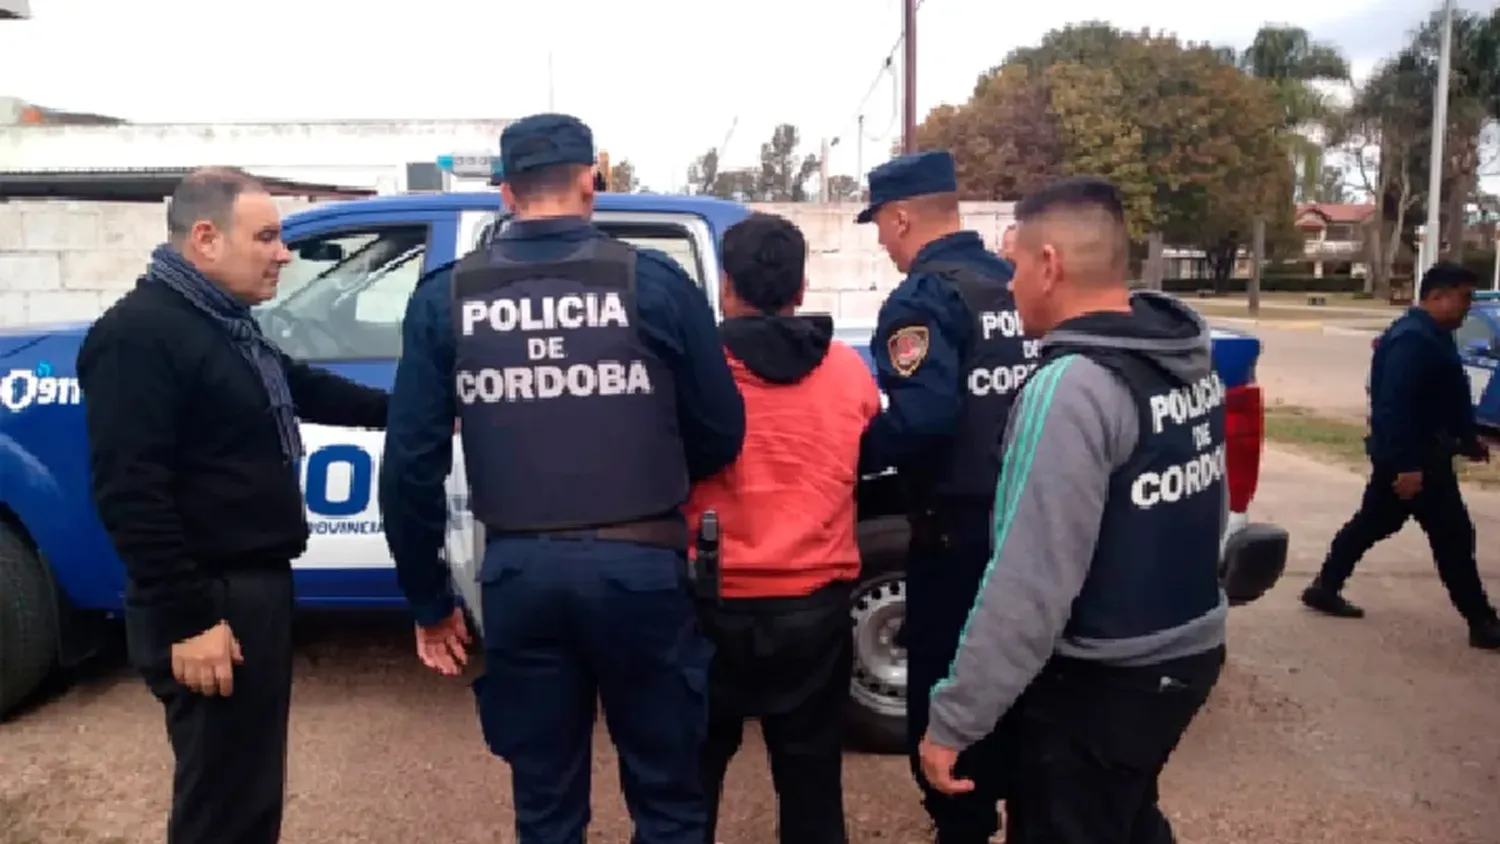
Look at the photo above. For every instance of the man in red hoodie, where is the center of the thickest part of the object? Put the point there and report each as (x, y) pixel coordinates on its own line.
(788, 555)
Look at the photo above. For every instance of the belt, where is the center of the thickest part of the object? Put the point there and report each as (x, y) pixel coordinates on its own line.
(671, 534)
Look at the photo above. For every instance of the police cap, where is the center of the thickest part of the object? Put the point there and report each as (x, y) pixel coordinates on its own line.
(912, 175)
(545, 140)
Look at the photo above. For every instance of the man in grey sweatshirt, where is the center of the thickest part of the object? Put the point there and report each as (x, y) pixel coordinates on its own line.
(1099, 627)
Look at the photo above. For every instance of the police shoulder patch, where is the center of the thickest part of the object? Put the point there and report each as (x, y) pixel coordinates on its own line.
(908, 348)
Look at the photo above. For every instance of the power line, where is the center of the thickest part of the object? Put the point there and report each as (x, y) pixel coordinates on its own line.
(886, 66)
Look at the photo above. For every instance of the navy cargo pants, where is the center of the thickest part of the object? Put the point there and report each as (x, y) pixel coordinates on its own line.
(570, 622)
(943, 570)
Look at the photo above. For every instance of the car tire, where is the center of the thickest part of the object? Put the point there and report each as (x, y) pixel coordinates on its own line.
(28, 620)
(877, 691)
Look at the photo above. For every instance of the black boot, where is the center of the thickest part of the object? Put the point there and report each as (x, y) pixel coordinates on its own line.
(1485, 635)
(1329, 602)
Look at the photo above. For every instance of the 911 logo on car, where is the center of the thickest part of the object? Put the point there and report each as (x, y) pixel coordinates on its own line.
(22, 388)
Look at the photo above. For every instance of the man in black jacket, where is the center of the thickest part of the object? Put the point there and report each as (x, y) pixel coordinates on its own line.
(1421, 416)
(195, 456)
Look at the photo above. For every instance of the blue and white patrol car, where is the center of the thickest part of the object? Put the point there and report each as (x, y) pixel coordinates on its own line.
(340, 305)
(1479, 345)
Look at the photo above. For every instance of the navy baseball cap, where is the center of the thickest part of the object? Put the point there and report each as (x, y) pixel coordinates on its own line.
(912, 175)
(544, 140)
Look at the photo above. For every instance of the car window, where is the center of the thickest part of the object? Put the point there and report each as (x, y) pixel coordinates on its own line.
(1475, 329)
(344, 294)
(673, 240)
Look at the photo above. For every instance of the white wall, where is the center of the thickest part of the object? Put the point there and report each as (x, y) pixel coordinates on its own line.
(63, 260)
(370, 154)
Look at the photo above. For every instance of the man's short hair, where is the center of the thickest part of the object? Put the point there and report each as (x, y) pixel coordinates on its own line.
(1446, 275)
(544, 181)
(208, 193)
(1090, 223)
(765, 257)
(1073, 194)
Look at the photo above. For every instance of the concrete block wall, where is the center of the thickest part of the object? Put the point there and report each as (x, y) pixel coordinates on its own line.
(64, 261)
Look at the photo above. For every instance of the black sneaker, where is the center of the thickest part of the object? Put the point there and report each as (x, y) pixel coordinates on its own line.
(1329, 602)
(1485, 635)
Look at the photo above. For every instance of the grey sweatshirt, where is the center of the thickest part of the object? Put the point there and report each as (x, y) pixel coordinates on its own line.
(1074, 424)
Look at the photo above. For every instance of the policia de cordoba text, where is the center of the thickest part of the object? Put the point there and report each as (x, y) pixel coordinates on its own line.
(547, 381)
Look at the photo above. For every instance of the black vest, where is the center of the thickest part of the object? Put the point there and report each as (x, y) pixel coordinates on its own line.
(995, 364)
(1156, 564)
(568, 419)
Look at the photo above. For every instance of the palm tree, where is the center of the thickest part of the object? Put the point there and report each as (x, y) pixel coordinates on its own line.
(1289, 60)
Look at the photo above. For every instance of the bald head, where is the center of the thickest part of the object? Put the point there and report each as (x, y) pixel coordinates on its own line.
(1082, 222)
(1071, 253)
(208, 194)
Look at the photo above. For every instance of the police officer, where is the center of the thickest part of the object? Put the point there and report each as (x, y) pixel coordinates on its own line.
(1421, 415)
(950, 356)
(592, 389)
(1102, 602)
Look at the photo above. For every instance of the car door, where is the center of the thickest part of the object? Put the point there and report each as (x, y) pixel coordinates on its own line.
(340, 306)
(1477, 346)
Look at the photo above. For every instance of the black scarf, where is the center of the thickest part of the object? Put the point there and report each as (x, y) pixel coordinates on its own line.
(170, 268)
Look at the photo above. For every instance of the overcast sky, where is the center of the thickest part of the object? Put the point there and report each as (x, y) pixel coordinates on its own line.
(660, 81)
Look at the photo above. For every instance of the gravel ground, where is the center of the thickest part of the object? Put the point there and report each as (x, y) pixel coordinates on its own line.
(1322, 730)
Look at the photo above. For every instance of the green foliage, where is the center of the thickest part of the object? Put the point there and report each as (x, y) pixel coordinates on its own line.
(1198, 148)
(781, 177)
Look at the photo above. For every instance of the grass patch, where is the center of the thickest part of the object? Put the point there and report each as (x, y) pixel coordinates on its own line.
(1342, 441)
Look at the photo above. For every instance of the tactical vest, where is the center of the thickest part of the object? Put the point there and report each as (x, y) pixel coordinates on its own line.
(568, 418)
(994, 365)
(1156, 564)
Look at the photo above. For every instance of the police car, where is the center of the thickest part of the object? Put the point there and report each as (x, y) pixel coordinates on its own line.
(1478, 342)
(340, 305)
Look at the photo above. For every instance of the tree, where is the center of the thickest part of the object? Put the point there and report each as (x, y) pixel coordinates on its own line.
(703, 173)
(783, 172)
(1004, 140)
(1383, 136)
(622, 177)
(843, 188)
(1289, 60)
(1197, 148)
(1473, 102)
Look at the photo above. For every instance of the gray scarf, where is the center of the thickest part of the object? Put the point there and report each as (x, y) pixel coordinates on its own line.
(170, 268)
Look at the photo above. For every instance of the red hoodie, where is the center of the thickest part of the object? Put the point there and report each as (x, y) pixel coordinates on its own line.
(786, 506)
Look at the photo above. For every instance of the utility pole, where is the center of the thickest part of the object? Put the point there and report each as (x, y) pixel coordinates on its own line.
(909, 42)
(859, 152)
(550, 85)
(1434, 236)
(823, 192)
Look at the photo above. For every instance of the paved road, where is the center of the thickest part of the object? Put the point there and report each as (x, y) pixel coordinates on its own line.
(1320, 365)
(1377, 731)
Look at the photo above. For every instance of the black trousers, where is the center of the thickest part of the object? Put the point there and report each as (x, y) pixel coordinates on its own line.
(1439, 509)
(1093, 741)
(228, 785)
(787, 662)
(942, 579)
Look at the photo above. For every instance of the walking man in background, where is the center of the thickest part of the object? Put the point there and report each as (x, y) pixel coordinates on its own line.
(194, 453)
(1421, 416)
(788, 550)
(1008, 244)
(1102, 601)
(585, 593)
(950, 354)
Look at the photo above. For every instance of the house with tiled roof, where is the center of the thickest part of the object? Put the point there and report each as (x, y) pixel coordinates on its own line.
(1334, 236)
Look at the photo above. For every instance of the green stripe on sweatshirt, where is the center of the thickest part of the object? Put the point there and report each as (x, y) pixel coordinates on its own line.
(1036, 402)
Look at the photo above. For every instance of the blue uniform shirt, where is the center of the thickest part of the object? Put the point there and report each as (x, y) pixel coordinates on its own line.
(676, 321)
(1420, 407)
(924, 405)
